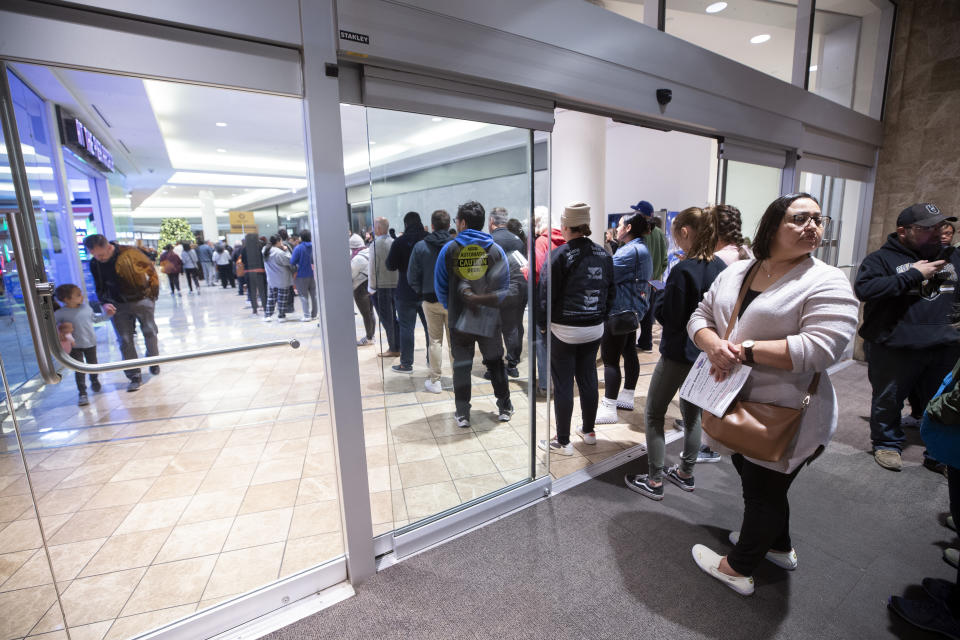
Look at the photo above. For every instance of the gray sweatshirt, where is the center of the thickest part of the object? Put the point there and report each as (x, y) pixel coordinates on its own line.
(278, 270)
(82, 319)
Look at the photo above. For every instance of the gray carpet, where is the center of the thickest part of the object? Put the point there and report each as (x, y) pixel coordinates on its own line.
(599, 561)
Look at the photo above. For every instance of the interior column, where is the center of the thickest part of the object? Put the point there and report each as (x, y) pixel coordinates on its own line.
(577, 166)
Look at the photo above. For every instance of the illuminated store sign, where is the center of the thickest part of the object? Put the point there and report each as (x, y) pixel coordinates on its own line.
(79, 139)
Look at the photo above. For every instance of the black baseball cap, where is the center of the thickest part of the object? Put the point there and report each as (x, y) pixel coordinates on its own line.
(923, 214)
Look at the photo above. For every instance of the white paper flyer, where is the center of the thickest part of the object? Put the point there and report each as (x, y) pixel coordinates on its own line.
(700, 388)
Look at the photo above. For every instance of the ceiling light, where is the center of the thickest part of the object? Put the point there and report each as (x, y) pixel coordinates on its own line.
(224, 150)
(716, 7)
(236, 180)
(436, 119)
(813, 67)
(223, 124)
(373, 142)
(760, 39)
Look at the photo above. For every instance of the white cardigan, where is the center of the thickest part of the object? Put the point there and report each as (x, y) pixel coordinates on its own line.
(814, 308)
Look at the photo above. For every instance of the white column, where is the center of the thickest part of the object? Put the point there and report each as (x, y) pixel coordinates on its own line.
(577, 166)
(208, 216)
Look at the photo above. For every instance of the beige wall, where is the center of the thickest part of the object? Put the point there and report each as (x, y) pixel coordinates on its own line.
(920, 157)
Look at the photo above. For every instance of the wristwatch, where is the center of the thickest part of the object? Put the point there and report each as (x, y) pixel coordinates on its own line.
(748, 351)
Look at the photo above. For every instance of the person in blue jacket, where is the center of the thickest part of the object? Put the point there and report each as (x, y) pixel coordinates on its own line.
(471, 279)
(304, 280)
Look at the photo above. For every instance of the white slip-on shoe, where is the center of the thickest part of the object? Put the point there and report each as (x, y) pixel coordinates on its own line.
(709, 561)
(588, 438)
(433, 386)
(783, 560)
(625, 399)
(607, 412)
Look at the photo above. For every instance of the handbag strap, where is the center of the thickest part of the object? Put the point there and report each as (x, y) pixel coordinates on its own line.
(747, 281)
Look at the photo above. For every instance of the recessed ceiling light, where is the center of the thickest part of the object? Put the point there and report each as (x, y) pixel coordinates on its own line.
(760, 39)
(436, 119)
(223, 124)
(373, 142)
(813, 67)
(716, 7)
(221, 150)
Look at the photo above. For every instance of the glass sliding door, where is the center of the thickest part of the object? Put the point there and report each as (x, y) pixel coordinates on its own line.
(840, 199)
(750, 188)
(450, 382)
(217, 476)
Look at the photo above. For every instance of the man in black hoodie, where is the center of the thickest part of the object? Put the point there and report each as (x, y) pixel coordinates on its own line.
(406, 299)
(423, 262)
(909, 286)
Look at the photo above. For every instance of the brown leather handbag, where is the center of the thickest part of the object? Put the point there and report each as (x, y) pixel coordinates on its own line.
(755, 429)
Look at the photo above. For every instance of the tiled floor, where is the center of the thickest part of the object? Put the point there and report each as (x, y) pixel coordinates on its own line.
(218, 476)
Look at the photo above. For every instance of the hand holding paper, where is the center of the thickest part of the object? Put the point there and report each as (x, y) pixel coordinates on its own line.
(709, 393)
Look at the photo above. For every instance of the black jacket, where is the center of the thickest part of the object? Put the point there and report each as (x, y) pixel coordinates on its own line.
(685, 286)
(510, 243)
(423, 262)
(902, 309)
(399, 258)
(582, 285)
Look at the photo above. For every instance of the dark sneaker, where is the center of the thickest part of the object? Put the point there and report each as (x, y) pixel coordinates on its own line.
(513, 372)
(95, 384)
(910, 422)
(939, 590)
(927, 614)
(684, 483)
(155, 369)
(133, 385)
(706, 454)
(641, 485)
(487, 375)
(505, 414)
(934, 465)
(402, 368)
(82, 401)
(463, 421)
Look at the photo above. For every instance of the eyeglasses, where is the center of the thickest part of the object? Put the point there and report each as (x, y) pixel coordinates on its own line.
(801, 219)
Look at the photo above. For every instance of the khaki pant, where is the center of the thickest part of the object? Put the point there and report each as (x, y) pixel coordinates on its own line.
(436, 326)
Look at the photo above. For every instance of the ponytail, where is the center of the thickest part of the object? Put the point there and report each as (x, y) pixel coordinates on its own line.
(704, 227)
(266, 248)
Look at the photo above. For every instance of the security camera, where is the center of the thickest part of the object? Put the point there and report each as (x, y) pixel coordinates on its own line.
(664, 96)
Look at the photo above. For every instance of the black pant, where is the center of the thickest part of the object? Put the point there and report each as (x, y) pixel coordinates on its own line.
(193, 275)
(511, 326)
(383, 302)
(766, 514)
(491, 350)
(225, 272)
(174, 279)
(362, 297)
(241, 284)
(893, 374)
(611, 348)
(569, 362)
(256, 288)
(90, 355)
(645, 340)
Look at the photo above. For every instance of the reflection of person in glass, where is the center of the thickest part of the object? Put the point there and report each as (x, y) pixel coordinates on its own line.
(511, 310)
(471, 279)
(127, 286)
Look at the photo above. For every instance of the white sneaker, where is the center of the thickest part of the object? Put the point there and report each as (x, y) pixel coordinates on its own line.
(783, 560)
(306, 319)
(709, 561)
(268, 318)
(433, 386)
(588, 438)
(284, 319)
(607, 412)
(625, 399)
(554, 446)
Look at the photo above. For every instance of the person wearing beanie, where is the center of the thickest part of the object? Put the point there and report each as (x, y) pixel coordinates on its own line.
(656, 243)
(407, 301)
(359, 267)
(581, 292)
(910, 288)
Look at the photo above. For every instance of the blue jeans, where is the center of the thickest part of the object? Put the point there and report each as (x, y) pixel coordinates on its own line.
(407, 312)
(893, 374)
(383, 302)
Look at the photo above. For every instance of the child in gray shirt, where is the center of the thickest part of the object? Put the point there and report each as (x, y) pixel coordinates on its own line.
(76, 312)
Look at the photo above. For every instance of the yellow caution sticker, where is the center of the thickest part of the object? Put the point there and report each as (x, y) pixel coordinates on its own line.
(472, 262)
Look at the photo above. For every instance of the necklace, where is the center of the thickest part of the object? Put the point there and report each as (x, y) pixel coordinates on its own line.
(769, 272)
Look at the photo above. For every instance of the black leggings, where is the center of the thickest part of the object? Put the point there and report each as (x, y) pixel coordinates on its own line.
(226, 275)
(569, 362)
(611, 348)
(174, 282)
(193, 275)
(90, 355)
(766, 514)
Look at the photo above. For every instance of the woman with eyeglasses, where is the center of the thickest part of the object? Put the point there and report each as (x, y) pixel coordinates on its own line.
(796, 318)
